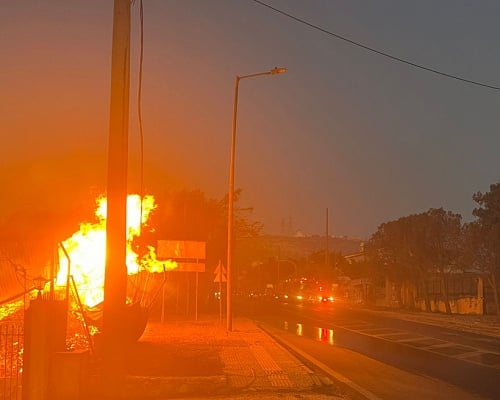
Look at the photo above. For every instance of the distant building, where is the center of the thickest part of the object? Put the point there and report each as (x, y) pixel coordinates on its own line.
(299, 234)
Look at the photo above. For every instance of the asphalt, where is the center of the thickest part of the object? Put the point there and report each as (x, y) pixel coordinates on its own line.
(201, 359)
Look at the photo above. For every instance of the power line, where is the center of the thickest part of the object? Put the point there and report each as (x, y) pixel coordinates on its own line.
(139, 109)
(373, 50)
(139, 99)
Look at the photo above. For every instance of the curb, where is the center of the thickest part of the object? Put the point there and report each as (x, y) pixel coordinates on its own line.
(152, 387)
(350, 387)
(160, 387)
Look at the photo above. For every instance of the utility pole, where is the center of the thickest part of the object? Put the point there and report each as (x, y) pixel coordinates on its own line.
(326, 239)
(115, 282)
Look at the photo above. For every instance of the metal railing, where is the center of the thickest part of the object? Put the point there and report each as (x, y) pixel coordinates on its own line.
(11, 360)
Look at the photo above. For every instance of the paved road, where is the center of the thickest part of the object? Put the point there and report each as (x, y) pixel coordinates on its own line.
(397, 354)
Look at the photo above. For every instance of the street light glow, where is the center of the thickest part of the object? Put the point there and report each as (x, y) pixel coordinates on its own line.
(277, 70)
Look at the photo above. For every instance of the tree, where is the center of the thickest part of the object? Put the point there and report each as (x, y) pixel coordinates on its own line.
(243, 225)
(444, 246)
(413, 247)
(190, 215)
(484, 236)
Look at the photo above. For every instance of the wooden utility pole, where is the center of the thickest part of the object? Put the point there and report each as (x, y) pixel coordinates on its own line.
(115, 282)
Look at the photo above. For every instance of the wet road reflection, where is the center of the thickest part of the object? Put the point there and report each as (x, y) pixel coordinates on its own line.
(325, 335)
(468, 366)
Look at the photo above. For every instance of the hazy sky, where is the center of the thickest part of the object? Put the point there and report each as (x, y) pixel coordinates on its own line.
(345, 129)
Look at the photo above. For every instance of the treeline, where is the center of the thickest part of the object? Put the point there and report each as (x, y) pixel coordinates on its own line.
(437, 243)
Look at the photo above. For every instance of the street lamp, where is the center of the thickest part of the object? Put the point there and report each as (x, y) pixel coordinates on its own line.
(39, 284)
(230, 208)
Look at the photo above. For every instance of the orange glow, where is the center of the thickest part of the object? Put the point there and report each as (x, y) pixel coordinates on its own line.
(87, 251)
(10, 308)
(325, 335)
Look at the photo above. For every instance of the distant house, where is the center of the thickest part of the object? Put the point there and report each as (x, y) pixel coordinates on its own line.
(355, 257)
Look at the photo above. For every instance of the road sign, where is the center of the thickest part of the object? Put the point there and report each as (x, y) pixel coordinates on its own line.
(220, 273)
(188, 254)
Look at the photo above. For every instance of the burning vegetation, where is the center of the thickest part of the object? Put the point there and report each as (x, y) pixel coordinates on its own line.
(80, 276)
(86, 251)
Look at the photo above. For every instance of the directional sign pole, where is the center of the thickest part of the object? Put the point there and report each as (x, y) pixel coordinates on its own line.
(220, 277)
(163, 304)
(196, 299)
(220, 297)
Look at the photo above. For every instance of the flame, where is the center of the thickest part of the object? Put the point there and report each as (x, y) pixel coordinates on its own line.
(8, 309)
(86, 250)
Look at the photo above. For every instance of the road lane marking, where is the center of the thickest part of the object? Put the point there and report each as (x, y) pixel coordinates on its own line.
(325, 368)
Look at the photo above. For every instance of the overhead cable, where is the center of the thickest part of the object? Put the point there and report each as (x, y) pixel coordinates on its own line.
(373, 50)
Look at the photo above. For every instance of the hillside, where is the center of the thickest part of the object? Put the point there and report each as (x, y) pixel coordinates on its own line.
(248, 250)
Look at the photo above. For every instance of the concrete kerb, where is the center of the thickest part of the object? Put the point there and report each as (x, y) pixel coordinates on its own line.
(272, 366)
(351, 389)
(151, 387)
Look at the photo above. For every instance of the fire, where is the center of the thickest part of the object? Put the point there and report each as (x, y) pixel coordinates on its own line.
(8, 309)
(86, 250)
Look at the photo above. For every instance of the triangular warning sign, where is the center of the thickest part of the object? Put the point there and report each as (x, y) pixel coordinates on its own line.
(220, 277)
(220, 273)
(220, 269)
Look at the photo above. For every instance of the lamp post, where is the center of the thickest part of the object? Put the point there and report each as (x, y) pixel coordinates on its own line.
(39, 284)
(230, 207)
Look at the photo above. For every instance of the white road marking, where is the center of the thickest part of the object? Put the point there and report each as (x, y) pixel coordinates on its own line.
(338, 376)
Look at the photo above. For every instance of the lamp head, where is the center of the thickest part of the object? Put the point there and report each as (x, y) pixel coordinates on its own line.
(277, 70)
(39, 283)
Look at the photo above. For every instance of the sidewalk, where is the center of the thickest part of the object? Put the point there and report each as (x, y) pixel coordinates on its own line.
(481, 324)
(199, 360)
